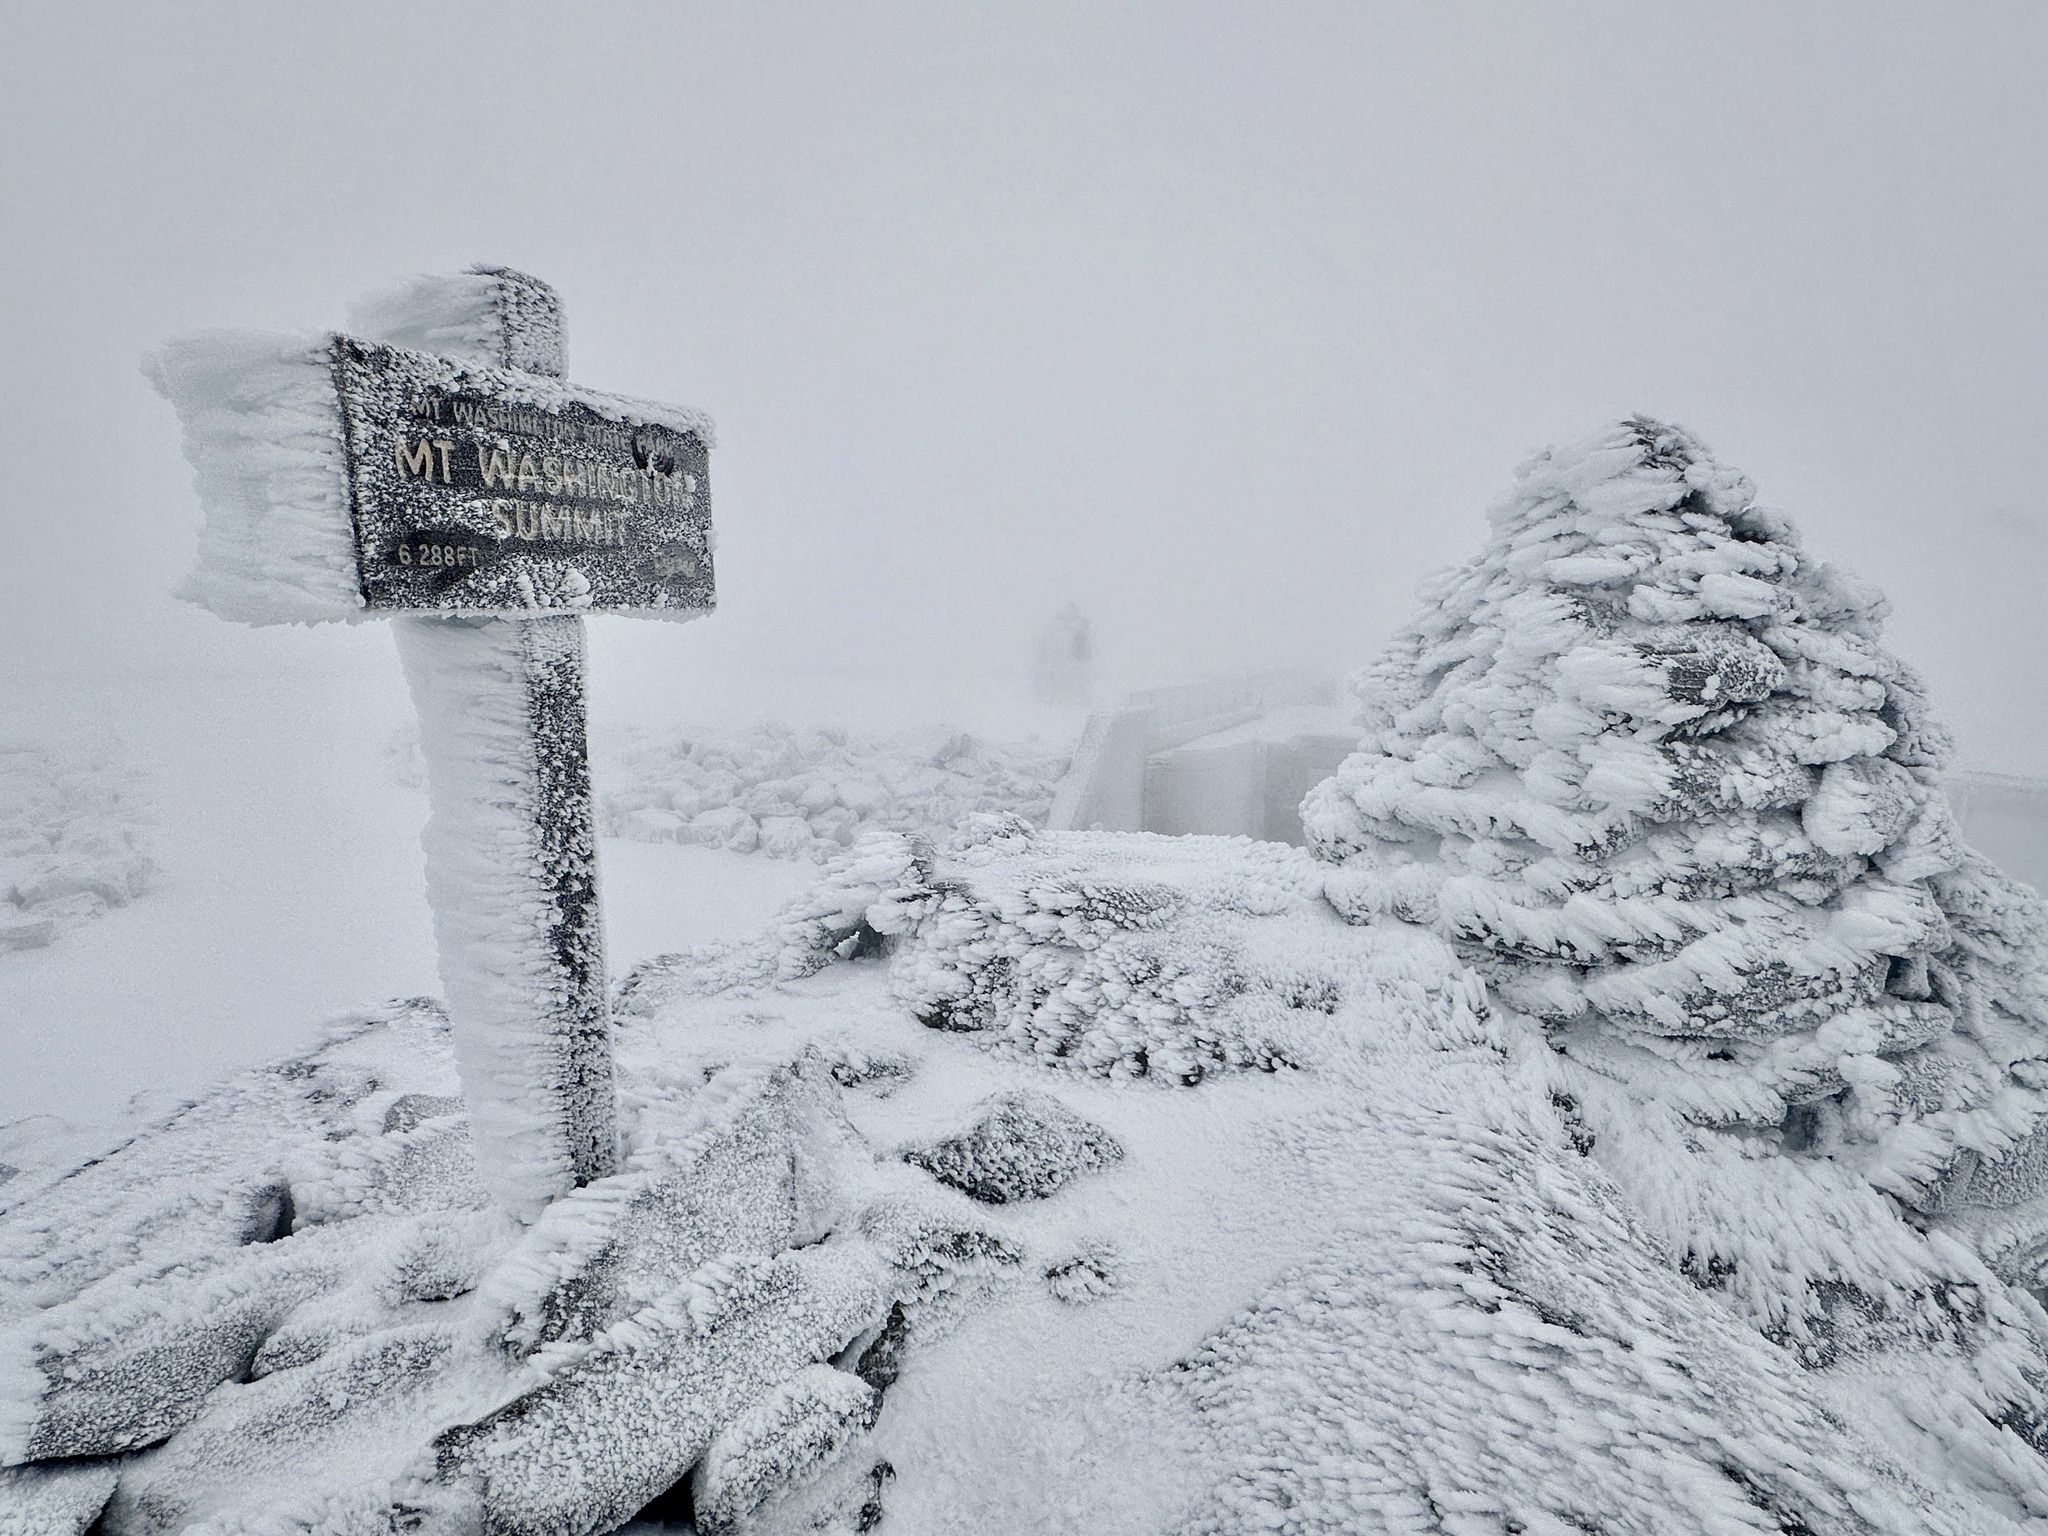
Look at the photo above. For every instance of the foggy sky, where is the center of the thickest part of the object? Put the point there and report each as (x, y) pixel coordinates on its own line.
(1226, 321)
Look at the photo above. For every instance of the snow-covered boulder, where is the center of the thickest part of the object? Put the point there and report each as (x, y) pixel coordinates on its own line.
(262, 1313)
(651, 824)
(74, 841)
(57, 1499)
(811, 794)
(1648, 765)
(725, 826)
(626, 1418)
(1023, 1146)
(787, 837)
(779, 1445)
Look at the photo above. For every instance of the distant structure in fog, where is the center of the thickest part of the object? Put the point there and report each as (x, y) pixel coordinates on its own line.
(1230, 755)
(1063, 670)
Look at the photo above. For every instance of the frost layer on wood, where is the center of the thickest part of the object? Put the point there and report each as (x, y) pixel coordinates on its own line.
(511, 878)
(263, 433)
(489, 315)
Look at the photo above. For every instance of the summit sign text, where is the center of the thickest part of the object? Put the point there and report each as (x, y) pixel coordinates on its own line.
(489, 490)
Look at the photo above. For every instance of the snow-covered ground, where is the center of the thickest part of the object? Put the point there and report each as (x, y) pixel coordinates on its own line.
(1287, 1229)
(271, 824)
(289, 884)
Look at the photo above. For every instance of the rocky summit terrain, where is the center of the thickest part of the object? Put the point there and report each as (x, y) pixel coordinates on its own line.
(1630, 1116)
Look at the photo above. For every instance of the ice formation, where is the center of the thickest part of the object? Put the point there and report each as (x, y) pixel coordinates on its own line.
(74, 841)
(263, 435)
(511, 879)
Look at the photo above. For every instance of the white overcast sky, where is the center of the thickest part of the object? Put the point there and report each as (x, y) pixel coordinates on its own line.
(1226, 321)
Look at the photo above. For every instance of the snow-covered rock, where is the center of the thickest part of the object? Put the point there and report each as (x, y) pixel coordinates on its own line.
(628, 1416)
(1085, 1277)
(278, 1319)
(779, 1445)
(58, 1499)
(725, 826)
(1648, 765)
(811, 794)
(1023, 1146)
(74, 840)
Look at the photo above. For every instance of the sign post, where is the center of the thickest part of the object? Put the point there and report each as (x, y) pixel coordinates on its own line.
(436, 469)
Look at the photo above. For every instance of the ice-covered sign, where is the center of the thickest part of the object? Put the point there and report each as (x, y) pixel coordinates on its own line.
(492, 490)
(434, 469)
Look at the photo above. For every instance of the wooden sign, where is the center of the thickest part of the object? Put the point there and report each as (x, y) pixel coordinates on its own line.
(484, 505)
(488, 490)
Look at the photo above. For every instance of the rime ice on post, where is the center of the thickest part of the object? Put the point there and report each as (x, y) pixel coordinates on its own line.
(435, 469)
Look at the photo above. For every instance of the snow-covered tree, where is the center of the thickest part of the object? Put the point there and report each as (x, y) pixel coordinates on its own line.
(1648, 765)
